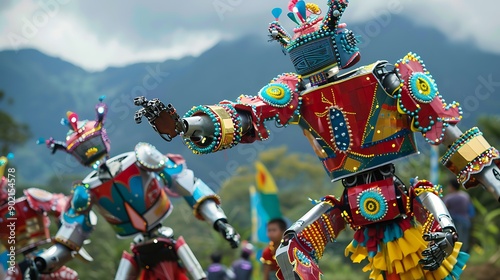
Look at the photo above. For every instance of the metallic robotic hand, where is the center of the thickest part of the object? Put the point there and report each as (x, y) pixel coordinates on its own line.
(228, 233)
(440, 246)
(163, 119)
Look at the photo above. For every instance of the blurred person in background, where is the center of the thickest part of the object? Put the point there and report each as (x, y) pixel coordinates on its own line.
(461, 210)
(218, 271)
(243, 267)
(275, 229)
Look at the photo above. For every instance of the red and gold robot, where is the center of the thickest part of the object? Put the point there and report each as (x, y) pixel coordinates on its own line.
(132, 192)
(24, 227)
(358, 122)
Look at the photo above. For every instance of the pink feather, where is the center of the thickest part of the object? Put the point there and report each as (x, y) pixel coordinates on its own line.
(291, 4)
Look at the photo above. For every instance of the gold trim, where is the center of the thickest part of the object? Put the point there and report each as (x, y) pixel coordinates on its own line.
(68, 243)
(469, 151)
(196, 206)
(226, 125)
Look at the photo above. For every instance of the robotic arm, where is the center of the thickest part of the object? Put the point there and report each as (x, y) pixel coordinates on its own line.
(77, 223)
(304, 243)
(208, 129)
(441, 244)
(52, 144)
(469, 156)
(204, 202)
(181, 181)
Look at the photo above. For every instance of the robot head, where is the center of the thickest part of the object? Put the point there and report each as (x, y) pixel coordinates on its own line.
(86, 140)
(247, 248)
(3, 180)
(318, 44)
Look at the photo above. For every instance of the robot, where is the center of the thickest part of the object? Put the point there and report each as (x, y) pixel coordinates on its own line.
(131, 191)
(24, 227)
(358, 123)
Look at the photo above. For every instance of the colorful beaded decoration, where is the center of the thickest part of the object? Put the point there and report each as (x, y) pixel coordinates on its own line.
(318, 43)
(422, 87)
(477, 164)
(339, 129)
(142, 149)
(276, 94)
(462, 140)
(372, 204)
(320, 232)
(420, 186)
(215, 144)
(198, 110)
(303, 259)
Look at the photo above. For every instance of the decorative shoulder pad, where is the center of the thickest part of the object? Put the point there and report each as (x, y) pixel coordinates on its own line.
(419, 97)
(149, 157)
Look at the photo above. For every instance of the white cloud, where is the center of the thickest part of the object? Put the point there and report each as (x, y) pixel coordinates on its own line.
(63, 35)
(460, 20)
(96, 34)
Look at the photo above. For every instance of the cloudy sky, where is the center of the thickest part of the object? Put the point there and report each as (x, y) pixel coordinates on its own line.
(97, 34)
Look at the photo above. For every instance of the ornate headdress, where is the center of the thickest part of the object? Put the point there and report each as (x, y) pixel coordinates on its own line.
(86, 140)
(319, 44)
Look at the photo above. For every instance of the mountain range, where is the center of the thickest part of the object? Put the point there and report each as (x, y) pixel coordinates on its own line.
(45, 87)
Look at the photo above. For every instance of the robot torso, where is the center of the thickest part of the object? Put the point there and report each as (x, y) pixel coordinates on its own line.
(354, 125)
(130, 198)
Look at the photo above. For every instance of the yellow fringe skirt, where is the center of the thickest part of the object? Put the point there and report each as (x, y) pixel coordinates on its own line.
(393, 252)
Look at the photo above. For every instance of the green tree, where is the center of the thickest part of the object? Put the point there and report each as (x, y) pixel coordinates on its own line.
(12, 132)
(490, 129)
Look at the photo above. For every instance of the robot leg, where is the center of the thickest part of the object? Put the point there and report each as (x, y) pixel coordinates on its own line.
(190, 262)
(128, 269)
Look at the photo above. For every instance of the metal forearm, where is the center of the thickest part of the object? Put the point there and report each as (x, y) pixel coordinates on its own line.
(53, 258)
(311, 216)
(211, 212)
(490, 179)
(451, 133)
(72, 235)
(198, 195)
(198, 127)
(214, 128)
(69, 240)
(437, 207)
(205, 204)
